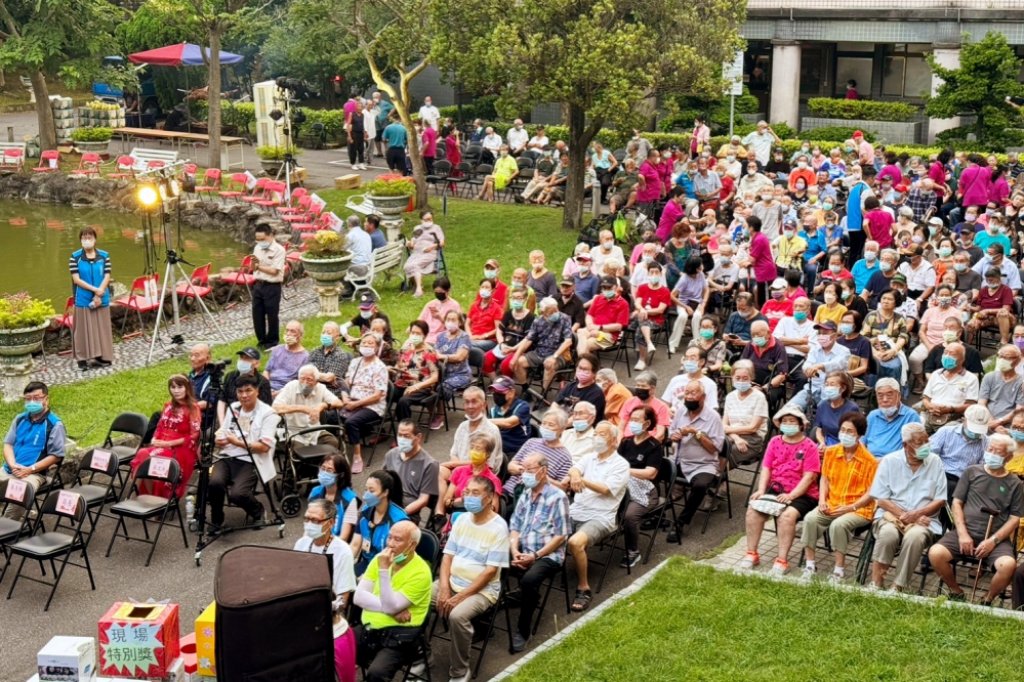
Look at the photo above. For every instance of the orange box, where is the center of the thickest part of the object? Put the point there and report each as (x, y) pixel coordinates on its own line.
(205, 628)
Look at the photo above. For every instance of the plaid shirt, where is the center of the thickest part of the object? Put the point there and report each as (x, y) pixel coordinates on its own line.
(336, 362)
(920, 201)
(537, 521)
(546, 336)
(848, 481)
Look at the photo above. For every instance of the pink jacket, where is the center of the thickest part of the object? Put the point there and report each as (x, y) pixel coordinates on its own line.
(974, 185)
(652, 187)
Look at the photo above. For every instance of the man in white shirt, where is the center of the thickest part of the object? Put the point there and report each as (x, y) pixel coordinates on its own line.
(539, 140)
(517, 138)
(491, 144)
(724, 275)
(249, 427)
(795, 331)
(950, 392)
(429, 114)
(824, 356)
(920, 274)
(761, 141)
(607, 250)
(301, 402)
(359, 242)
(317, 538)
(579, 440)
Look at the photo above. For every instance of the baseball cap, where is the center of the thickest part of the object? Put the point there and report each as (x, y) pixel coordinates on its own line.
(249, 352)
(901, 188)
(492, 263)
(608, 282)
(566, 282)
(827, 325)
(935, 220)
(976, 418)
(857, 133)
(898, 279)
(584, 257)
(503, 385)
(367, 301)
(779, 283)
(789, 221)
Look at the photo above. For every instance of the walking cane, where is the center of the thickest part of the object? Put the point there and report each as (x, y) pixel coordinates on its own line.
(992, 514)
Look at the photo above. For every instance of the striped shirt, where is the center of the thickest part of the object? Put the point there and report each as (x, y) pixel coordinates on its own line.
(473, 547)
(538, 520)
(849, 480)
(956, 450)
(559, 461)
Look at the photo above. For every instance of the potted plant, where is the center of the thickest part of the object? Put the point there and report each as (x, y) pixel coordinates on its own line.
(272, 157)
(390, 194)
(326, 261)
(92, 139)
(23, 321)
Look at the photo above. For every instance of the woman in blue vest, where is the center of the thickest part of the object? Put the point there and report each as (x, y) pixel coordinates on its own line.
(93, 339)
(377, 516)
(335, 478)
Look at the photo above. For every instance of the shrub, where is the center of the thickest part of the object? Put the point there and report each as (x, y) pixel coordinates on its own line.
(827, 107)
(995, 142)
(269, 152)
(241, 115)
(20, 310)
(99, 134)
(390, 185)
(836, 133)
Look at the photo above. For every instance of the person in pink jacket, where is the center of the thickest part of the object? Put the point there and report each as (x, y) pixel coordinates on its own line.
(974, 182)
(650, 187)
(761, 259)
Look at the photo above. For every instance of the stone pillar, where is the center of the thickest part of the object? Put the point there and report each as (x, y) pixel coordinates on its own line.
(947, 56)
(785, 87)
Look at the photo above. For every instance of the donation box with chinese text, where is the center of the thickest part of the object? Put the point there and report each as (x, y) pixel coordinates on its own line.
(139, 640)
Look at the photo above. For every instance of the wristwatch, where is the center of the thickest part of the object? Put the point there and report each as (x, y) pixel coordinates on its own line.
(699, 435)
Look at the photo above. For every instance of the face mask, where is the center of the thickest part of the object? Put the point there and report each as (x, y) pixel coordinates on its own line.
(707, 334)
(654, 280)
(788, 233)
(870, 256)
(949, 336)
(1017, 435)
(608, 293)
(960, 267)
(243, 366)
(518, 285)
(846, 294)
(789, 429)
(800, 316)
(730, 158)
(415, 339)
(371, 499)
(440, 295)
(636, 428)
(33, 406)
(642, 393)
(766, 197)
(584, 375)
(500, 399)
(583, 269)
(917, 239)
(993, 461)
(970, 435)
(547, 434)
(970, 217)
(400, 558)
(830, 392)
(265, 245)
(742, 386)
(885, 266)
(690, 367)
(1019, 342)
(490, 274)
(306, 391)
(801, 165)
(529, 480)
(778, 294)
(404, 444)
(517, 305)
(1003, 365)
(847, 440)
(367, 351)
(801, 185)
(827, 206)
(313, 530)
(88, 243)
(607, 246)
(452, 327)
(889, 412)
(923, 451)
(327, 478)
(992, 285)
(759, 341)
(580, 425)
(845, 329)
(474, 505)
(366, 314)
(692, 405)
(830, 298)
(477, 457)
(948, 362)
(725, 261)
(326, 340)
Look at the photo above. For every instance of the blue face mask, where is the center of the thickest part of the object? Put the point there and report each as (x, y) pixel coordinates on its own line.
(1017, 435)
(404, 444)
(529, 480)
(327, 478)
(789, 429)
(580, 425)
(970, 435)
(847, 440)
(948, 362)
(923, 451)
(243, 366)
(474, 505)
(690, 367)
(370, 499)
(993, 461)
(326, 340)
(800, 316)
(547, 434)
(33, 406)
(830, 392)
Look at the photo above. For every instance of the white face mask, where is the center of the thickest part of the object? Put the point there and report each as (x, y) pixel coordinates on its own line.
(88, 243)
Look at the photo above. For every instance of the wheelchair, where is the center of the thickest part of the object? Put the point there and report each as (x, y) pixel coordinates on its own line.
(299, 465)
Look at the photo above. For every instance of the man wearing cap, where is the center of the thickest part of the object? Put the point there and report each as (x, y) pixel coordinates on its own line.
(585, 281)
(761, 140)
(492, 271)
(547, 343)
(511, 414)
(950, 392)
(1009, 272)
(698, 433)
(825, 356)
(368, 312)
(607, 317)
(790, 247)
(865, 152)
(885, 421)
(777, 306)
(993, 307)
(1003, 389)
(960, 445)
(248, 365)
(919, 273)
(569, 304)
(268, 264)
(910, 489)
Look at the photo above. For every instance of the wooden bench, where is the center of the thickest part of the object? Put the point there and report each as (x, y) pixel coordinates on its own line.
(385, 259)
(142, 158)
(12, 156)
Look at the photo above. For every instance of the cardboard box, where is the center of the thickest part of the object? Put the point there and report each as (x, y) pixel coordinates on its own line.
(64, 659)
(351, 181)
(205, 628)
(139, 640)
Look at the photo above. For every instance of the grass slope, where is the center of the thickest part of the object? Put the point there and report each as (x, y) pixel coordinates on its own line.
(694, 623)
(475, 231)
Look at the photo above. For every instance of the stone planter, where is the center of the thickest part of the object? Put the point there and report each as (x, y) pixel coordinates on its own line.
(390, 208)
(100, 147)
(16, 348)
(271, 166)
(328, 275)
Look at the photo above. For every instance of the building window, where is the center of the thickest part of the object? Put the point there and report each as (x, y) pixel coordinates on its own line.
(853, 68)
(905, 73)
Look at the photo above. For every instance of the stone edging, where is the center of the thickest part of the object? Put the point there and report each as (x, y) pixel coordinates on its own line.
(591, 614)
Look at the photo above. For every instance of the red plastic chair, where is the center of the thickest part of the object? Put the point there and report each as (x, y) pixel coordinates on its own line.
(155, 164)
(298, 194)
(273, 195)
(300, 213)
(13, 160)
(236, 186)
(198, 285)
(211, 182)
(140, 301)
(243, 277)
(318, 221)
(44, 162)
(258, 192)
(64, 322)
(89, 164)
(124, 168)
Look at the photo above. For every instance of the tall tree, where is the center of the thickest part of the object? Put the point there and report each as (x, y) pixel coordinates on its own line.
(47, 38)
(986, 77)
(599, 58)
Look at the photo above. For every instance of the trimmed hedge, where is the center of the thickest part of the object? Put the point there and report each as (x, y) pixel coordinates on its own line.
(836, 133)
(870, 110)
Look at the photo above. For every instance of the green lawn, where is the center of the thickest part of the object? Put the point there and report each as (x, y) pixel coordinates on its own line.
(475, 231)
(694, 623)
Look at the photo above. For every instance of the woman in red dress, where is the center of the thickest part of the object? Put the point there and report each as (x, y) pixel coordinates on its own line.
(177, 435)
(452, 150)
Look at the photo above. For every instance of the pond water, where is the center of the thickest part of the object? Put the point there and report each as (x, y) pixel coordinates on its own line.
(37, 239)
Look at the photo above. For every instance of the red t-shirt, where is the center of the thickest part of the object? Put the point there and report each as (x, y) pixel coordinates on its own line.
(652, 298)
(989, 301)
(727, 187)
(483, 320)
(614, 311)
(880, 224)
(774, 311)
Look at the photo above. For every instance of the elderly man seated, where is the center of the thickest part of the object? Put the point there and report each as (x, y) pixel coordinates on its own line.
(847, 472)
(546, 344)
(416, 469)
(599, 482)
(286, 358)
(394, 594)
(330, 358)
(988, 504)
(885, 422)
(949, 392)
(824, 356)
(579, 440)
(910, 489)
(301, 402)
(698, 433)
(539, 528)
(1003, 390)
(34, 442)
(993, 307)
(960, 445)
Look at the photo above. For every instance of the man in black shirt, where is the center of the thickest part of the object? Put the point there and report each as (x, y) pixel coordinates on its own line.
(248, 365)
(952, 330)
(570, 304)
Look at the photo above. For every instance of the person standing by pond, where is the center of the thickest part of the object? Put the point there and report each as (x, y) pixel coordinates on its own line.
(268, 268)
(92, 341)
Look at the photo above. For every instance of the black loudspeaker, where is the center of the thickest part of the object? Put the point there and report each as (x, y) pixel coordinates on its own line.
(273, 616)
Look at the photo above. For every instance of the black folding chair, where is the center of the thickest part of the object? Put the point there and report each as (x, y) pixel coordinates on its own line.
(655, 515)
(14, 493)
(146, 508)
(384, 429)
(95, 482)
(611, 542)
(126, 424)
(43, 545)
(483, 628)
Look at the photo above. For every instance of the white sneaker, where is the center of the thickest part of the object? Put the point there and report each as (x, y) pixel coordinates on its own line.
(464, 678)
(872, 587)
(640, 365)
(354, 166)
(808, 574)
(837, 578)
(418, 670)
(362, 166)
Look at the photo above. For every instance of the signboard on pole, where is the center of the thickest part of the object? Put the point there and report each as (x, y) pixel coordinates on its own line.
(733, 72)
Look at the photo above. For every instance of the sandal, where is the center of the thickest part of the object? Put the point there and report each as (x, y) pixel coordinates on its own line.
(582, 600)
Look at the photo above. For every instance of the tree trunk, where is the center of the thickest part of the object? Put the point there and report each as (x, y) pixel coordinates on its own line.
(213, 98)
(44, 114)
(580, 137)
(419, 169)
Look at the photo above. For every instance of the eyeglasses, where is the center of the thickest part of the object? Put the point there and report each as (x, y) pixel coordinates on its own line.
(310, 519)
(34, 396)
